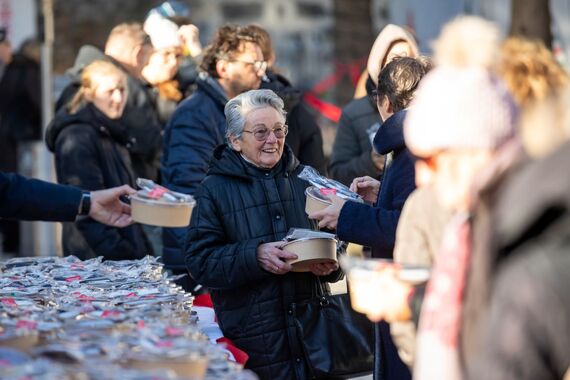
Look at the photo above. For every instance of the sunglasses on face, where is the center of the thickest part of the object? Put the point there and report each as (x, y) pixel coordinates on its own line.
(262, 133)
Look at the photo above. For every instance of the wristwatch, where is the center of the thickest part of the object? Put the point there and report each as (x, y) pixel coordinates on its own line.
(85, 203)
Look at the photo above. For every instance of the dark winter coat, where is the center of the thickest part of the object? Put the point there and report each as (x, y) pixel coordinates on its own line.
(31, 199)
(351, 152)
(238, 208)
(140, 116)
(375, 227)
(91, 153)
(20, 109)
(305, 138)
(526, 333)
(196, 128)
(20, 100)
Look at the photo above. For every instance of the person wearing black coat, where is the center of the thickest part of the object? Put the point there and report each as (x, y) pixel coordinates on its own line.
(140, 115)
(20, 120)
(91, 152)
(249, 200)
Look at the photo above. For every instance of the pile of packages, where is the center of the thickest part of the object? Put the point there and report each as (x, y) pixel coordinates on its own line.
(66, 318)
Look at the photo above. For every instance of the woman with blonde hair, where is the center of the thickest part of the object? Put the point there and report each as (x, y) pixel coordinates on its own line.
(530, 70)
(91, 149)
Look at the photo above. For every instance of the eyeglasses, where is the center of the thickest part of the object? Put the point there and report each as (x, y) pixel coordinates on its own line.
(262, 133)
(257, 65)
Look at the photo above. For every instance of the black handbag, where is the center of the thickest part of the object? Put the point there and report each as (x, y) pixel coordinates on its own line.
(336, 341)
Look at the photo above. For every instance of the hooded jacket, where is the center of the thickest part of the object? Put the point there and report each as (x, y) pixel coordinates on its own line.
(305, 137)
(140, 116)
(239, 207)
(386, 38)
(91, 153)
(376, 226)
(359, 121)
(197, 126)
(351, 152)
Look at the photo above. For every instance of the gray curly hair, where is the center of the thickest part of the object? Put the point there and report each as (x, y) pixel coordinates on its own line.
(238, 107)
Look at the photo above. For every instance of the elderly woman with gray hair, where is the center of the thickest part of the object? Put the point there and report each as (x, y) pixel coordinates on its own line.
(249, 199)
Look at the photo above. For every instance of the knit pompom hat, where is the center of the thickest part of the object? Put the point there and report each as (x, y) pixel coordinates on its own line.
(461, 103)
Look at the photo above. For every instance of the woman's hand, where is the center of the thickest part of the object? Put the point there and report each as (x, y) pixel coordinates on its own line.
(272, 258)
(328, 218)
(323, 269)
(367, 187)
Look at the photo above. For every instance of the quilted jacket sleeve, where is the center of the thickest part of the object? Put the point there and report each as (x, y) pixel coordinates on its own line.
(212, 261)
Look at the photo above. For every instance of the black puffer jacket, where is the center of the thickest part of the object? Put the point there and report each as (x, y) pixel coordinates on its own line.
(91, 153)
(239, 207)
(140, 115)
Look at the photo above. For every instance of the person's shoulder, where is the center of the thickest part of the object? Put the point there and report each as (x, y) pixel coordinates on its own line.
(358, 108)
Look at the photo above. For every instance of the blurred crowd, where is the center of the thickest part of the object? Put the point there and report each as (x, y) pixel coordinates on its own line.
(459, 158)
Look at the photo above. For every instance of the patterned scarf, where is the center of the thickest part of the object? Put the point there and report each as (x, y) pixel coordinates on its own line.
(438, 335)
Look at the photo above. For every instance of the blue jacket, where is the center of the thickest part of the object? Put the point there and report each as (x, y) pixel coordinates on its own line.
(197, 126)
(31, 199)
(375, 227)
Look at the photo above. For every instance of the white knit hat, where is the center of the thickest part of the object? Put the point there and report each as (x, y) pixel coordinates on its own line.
(163, 33)
(460, 108)
(461, 103)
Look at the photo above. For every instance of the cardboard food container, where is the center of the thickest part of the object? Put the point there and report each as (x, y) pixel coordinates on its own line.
(363, 275)
(191, 367)
(315, 200)
(161, 212)
(311, 250)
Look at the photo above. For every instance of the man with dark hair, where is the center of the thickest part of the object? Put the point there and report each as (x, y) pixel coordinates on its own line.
(375, 226)
(233, 63)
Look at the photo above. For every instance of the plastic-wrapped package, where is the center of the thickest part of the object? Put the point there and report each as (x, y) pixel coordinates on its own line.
(126, 315)
(310, 175)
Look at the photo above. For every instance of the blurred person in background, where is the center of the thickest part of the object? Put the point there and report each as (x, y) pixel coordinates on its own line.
(169, 21)
(90, 143)
(129, 48)
(511, 222)
(305, 137)
(526, 331)
(233, 63)
(172, 68)
(20, 119)
(352, 154)
(249, 200)
(5, 50)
